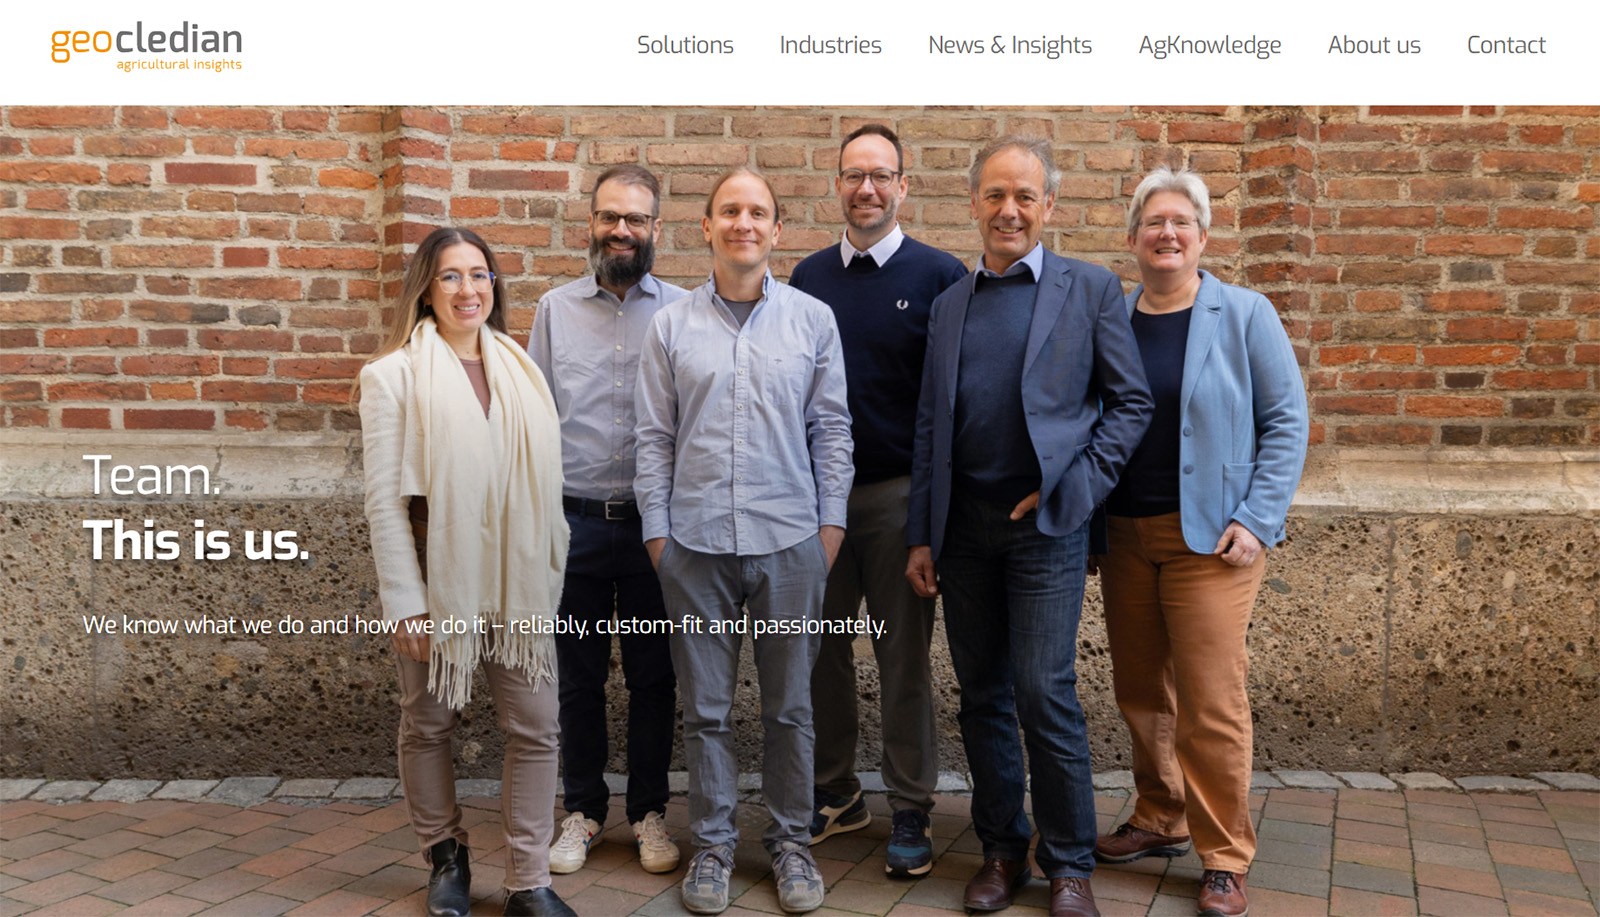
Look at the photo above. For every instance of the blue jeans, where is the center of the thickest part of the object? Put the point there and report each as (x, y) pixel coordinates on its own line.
(1012, 597)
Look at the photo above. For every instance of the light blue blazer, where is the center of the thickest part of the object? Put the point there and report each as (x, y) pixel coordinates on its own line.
(1244, 421)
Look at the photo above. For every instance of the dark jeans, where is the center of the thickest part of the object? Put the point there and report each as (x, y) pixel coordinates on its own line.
(609, 571)
(1012, 597)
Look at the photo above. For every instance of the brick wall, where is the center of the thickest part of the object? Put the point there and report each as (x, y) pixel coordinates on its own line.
(221, 269)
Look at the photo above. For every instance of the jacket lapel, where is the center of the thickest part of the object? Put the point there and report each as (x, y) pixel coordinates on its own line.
(1054, 282)
(1202, 329)
(958, 322)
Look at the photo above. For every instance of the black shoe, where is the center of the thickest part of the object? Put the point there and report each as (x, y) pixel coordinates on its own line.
(537, 902)
(450, 885)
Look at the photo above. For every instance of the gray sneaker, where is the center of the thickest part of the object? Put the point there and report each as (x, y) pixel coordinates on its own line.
(705, 884)
(799, 883)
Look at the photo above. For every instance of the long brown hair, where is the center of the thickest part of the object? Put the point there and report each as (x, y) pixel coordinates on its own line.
(409, 308)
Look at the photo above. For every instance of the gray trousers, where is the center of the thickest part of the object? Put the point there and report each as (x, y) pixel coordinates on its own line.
(872, 563)
(716, 588)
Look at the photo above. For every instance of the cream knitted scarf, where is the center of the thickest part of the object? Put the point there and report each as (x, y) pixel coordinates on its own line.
(497, 538)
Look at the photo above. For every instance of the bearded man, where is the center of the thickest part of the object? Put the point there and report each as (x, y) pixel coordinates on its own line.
(586, 337)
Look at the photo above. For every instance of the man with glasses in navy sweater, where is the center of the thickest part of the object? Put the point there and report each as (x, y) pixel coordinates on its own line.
(880, 284)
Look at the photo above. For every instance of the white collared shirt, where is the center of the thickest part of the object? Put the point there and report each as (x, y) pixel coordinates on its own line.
(881, 253)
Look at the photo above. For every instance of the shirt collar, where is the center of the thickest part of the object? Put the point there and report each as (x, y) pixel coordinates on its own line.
(881, 253)
(766, 286)
(1033, 262)
(648, 285)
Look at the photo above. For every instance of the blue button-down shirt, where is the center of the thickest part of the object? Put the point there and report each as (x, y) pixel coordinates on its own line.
(744, 435)
(587, 343)
(1032, 262)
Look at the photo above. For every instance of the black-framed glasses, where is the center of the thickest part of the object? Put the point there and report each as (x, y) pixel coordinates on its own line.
(880, 178)
(636, 221)
(450, 281)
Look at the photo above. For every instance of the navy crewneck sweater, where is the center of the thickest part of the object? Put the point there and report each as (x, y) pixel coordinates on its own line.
(882, 315)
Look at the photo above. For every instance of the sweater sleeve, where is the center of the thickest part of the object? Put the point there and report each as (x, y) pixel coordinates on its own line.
(394, 552)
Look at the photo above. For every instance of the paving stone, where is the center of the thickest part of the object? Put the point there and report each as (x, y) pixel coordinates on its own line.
(1366, 780)
(1499, 784)
(1436, 902)
(1294, 879)
(1261, 780)
(65, 790)
(1543, 881)
(1114, 780)
(1314, 780)
(678, 781)
(125, 790)
(1373, 879)
(187, 790)
(1316, 835)
(1422, 780)
(872, 782)
(952, 782)
(1561, 780)
(307, 788)
(749, 783)
(18, 788)
(477, 787)
(243, 791)
(366, 788)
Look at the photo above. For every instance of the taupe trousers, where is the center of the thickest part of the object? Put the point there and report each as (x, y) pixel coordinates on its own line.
(529, 719)
(872, 564)
(1177, 622)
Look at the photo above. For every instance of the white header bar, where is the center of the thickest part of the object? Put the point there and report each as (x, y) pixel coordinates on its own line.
(819, 52)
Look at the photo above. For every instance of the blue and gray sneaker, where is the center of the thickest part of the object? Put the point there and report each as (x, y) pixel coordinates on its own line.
(910, 845)
(836, 814)
(705, 882)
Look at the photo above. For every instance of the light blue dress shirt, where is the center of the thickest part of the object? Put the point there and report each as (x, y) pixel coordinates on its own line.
(744, 434)
(587, 343)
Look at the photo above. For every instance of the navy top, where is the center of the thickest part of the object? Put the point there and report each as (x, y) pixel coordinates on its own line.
(882, 313)
(992, 453)
(1149, 485)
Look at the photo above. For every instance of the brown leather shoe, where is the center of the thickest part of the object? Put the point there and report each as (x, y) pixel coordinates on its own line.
(1222, 894)
(1129, 843)
(1070, 897)
(997, 880)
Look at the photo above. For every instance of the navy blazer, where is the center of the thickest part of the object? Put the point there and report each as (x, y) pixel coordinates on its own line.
(1084, 396)
(1244, 423)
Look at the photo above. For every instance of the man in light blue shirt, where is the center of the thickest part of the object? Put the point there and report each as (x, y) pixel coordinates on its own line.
(586, 338)
(744, 473)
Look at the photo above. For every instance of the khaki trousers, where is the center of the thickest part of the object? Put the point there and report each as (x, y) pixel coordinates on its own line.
(527, 779)
(1177, 622)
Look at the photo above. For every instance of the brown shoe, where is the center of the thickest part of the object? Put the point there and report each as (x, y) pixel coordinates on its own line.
(1129, 843)
(1222, 894)
(997, 880)
(1070, 897)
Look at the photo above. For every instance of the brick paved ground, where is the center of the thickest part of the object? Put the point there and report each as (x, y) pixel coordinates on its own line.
(1345, 851)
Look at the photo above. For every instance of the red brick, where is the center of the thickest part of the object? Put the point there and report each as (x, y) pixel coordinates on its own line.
(163, 256)
(1357, 404)
(233, 119)
(246, 339)
(248, 392)
(134, 145)
(517, 180)
(59, 116)
(328, 258)
(37, 228)
(68, 173)
(97, 391)
(1510, 161)
(1386, 381)
(537, 125)
(127, 173)
(245, 257)
(86, 418)
(1473, 245)
(346, 178)
(170, 364)
(318, 368)
(246, 420)
(281, 288)
(1542, 379)
(176, 419)
(1475, 355)
(210, 173)
(91, 337)
(1384, 435)
(1544, 218)
(1464, 301)
(1453, 406)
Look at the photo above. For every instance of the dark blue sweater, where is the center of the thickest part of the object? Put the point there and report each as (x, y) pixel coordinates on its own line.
(883, 326)
(992, 452)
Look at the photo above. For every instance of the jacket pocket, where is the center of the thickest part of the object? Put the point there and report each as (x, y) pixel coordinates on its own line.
(1235, 487)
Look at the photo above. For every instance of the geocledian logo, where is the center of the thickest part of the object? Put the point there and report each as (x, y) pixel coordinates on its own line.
(164, 49)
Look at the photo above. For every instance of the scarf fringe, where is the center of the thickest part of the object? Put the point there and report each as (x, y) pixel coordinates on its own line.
(451, 662)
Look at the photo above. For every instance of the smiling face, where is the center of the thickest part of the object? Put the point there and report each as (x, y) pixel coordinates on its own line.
(743, 225)
(1168, 241)
(1011, 206)
(459, 314)
(621, 255)
(868, 209)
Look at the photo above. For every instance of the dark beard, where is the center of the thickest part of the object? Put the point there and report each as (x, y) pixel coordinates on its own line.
(623, 270)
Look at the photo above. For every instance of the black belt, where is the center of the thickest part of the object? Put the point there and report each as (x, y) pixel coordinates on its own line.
(612, 510)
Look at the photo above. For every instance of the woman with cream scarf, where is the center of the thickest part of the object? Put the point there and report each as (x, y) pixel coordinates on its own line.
(462, 454)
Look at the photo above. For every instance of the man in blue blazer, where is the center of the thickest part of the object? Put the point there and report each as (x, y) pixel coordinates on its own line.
(1033, 397)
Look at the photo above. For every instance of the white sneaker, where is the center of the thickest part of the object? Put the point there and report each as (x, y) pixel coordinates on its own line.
(657, 852)
(571, 849)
